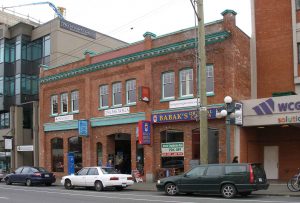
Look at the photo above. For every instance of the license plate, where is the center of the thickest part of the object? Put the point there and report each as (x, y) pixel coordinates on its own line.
(47, 176)
(260, 179)
(123, 184)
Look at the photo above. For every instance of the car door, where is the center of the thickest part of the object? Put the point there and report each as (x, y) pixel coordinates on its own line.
(25, 174)
(192, 180)
(213, 177)
(91, 177)
(14, 178)
(79, 178)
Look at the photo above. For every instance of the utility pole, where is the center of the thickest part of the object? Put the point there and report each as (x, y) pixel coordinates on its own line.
(202, 85)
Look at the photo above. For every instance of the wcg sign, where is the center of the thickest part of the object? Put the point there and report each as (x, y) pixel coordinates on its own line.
(268, 107)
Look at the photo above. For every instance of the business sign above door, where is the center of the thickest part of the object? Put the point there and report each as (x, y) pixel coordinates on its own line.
(178, 116)
(271, 111)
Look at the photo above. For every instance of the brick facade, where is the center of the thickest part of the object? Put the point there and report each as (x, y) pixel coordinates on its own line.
(230, 59)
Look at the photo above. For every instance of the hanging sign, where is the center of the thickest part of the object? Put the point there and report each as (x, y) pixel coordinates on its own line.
(144, 132)
(83, 127)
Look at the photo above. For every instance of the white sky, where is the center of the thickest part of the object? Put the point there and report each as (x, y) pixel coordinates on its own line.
(128, 20)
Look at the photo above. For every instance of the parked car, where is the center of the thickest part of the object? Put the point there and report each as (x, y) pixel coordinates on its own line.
(227, 179)
(99, 178)
(30, 175)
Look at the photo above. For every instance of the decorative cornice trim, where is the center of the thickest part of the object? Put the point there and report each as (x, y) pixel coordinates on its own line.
(63, 125)
(163, 50)
(118, 119)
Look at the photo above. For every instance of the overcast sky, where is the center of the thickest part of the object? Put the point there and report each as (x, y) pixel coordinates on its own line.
(128, 20)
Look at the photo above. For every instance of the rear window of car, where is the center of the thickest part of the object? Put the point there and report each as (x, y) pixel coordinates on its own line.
(258, 170)
(109, 171)
(39, 169)
(231, 170)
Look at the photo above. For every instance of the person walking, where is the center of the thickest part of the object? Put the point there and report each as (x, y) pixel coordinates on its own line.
(109, 163)
(235, 159)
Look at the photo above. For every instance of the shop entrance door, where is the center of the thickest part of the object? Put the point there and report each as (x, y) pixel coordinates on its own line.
(271, 161)
(123, 153)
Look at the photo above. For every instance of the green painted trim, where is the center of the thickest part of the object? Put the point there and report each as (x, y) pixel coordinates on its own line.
(167, 99)
(73, 112)
(210, 94)
(130, 104)
(116, 106)
(151, 34)
(186, 97)
(117, 119)
(103, 108)
(184, 108)
(63, 125)
(53, 115)
(228, 11)
(160, 51)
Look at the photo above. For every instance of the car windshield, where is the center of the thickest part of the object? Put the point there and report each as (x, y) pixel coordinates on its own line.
(39, 169)
(109, 171)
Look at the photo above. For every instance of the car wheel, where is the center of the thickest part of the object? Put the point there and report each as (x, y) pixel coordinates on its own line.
(48, 184)
(68, 184)
(119, 188)
(98, 186)
(228, 191)
(245, 194)
(7, 181)
(171, 189)
(28, 182)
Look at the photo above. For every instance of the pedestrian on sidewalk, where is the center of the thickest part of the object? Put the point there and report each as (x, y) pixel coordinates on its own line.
(235, 159)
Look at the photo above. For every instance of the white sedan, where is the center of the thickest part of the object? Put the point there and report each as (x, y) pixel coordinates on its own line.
(99, 178)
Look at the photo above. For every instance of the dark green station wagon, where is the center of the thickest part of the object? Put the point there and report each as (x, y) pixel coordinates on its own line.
(226, 179)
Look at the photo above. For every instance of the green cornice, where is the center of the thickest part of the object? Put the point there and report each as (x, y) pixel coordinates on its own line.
(117, 119)
(63, 125)
(163, 50)
(228, 11)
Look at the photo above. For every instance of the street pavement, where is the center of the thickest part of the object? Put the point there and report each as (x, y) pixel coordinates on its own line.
(275, 189)
(58, 194)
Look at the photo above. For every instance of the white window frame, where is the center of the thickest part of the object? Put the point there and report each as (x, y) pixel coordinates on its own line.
(188, 88)
(130, 86)
(101, 95)
(54, 98)
(116, 89)
(164, 82)
(210, 74)
(75, 98)
(63, 97)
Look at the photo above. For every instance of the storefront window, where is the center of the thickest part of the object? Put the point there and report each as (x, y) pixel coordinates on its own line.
(172, 148)
(75, 146)
(57, 155)
(99, 154)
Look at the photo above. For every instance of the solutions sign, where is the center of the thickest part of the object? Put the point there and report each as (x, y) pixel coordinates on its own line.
(270, 111)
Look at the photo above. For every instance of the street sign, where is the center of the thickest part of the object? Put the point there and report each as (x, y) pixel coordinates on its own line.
(25, 148)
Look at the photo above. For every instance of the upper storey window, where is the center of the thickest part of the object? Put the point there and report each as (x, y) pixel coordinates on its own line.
(117, 94)
(186, 82)
(131, 92)
(297, 2)
(168, 90)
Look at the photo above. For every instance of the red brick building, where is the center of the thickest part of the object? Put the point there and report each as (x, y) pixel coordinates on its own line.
(271, 128)
(103, 89)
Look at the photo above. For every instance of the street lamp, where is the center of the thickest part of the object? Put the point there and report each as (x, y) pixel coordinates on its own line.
(229, 112)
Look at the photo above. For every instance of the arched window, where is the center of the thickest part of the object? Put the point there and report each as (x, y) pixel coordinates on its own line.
(99, 154)
(75, 146)
(57, 155)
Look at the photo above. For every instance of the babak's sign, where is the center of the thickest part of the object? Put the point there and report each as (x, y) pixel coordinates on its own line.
(78, 29)
(270, 111)
(178, 116)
